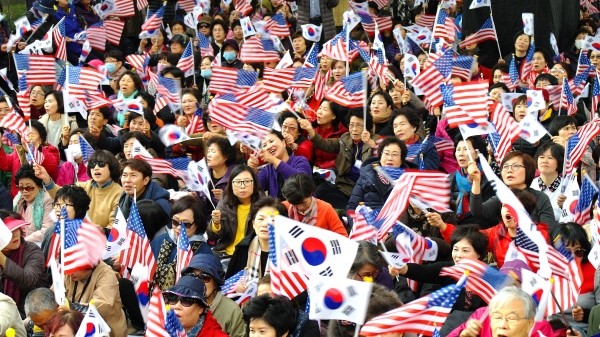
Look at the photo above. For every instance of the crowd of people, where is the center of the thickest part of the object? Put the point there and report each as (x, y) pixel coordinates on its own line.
(318, 163)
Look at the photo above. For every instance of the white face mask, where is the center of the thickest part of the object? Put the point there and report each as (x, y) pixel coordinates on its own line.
(75, 150)
(53, 216)
(578, 44)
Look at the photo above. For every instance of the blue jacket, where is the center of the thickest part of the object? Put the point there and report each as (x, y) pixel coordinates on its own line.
(5, 199)
(152, 192)
(431, 159)
(72, 27)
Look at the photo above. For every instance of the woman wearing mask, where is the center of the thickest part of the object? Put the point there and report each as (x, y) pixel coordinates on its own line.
(205, 73)
(53, 120)
(73, 171)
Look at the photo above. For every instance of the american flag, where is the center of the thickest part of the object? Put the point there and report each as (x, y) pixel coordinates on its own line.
(361, 230)
(139, 62)
(9, 139)
(441, 144)
(411, 244)
(205, 46)
(124, 8)
(508, 82)
(554, 93)
(59, 34)
(513, 72)
(184, 252)
(35, 155)
(484, 280)
(14, 122)
(86, 149)
(231, 284)
(349, 91)
(23, 100)
(278, 80)
(578, 82)
(582, 209)
(227, 80)
(169, 89)
(138, 250)
(320, 84)
(243, 6)
(255, 96)
(151, 27)
(97, 36)
(461, 67)
(531, 250)
(420, 316)
(84, 246)
(444, 28)
(186, 62)
(337, 47)
(566, 289)
(82, 79)
(180, 165)
(426, 20)
(431, 187)
(187, 5)
(527, 65)
(22, 84)
(376, 68)
(39, 69)
(243, 119)
(155, 326)
(276, 25)
(196, 124)
(141, 4)
(368, 22)
(312, 59)
(173, 325)
(384, 23)
(95, 100)
(431, 77)
(577, 144)
(567, 100)
(595, 95)
(260, 50)
(114, 30)
(283, 281)
(38, 22)
(465, 103)
(160, 166)
(54, 249)
(485, 33)
(584, 64)
(507, 127)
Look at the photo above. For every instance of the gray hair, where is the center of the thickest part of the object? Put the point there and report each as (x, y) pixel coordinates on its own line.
(509, 294)
(38, 300)
(367, 254)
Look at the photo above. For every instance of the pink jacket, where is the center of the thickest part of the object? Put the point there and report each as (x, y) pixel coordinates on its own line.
(447, 160)
(66, 174)
(542, 328)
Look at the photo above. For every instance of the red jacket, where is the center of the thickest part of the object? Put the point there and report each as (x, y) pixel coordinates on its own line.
(11, 162)
(324, 159)
(211, 327)
(498, 239)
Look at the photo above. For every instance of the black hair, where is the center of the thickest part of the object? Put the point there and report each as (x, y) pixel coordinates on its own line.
(148, 98)
(222, 23)
(572, 233)
(528, 163)
(178, 22)
(298, 187)
(40, 128)
(26, 171)
(139, 165)
(278, 312)
(277, 133)
(546, 77)
(148, 115)
(560, 122)
(411, 116)
(526, 198)
(196, 205)
(471, 233)
(153, 216)
(105, 111)
(388, 99)
(137, 81)
(518, 34)
(171, 58)
(225, 147)
(6, 213)
(194, 92)
(366, 254)
(76, 196)
(137, 135)
(556, 150)
(499, 85)
(393, 140)
(235, 23)
(503, 67)
(339, 112)
(358, 113)
(181, 39)
(267, 201)
(567, 67)
(175, 72)
(58, 96)
(109, 158)
(86, 135)
(477, 142)
(116, 54)
(228, 195)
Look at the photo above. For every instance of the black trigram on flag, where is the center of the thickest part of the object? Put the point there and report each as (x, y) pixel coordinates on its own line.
(327, 272)
(291, 257)
(351, 291)
(348, 310)
(296, 231)
(335, 247)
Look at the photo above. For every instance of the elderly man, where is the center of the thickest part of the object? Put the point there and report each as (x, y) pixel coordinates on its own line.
(39, 305)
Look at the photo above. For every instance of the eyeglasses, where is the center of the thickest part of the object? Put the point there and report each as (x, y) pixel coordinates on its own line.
(357, 126)
(554, 71)
(25, 188)
(289, 128)
(372, 275)
(511, 320)
(514, 167)
(579, 252)
(61, 204)
(240, 183)
(93, 164)
(202, 276)
(37, 93)
(204, 25)
(176, 223)
(393, 155)
(172, 299)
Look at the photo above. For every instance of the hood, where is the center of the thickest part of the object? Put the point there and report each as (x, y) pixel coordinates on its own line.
(6, 298)
(155, 192)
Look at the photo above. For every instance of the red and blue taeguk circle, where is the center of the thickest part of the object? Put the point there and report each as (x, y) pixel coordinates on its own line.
(314, 251)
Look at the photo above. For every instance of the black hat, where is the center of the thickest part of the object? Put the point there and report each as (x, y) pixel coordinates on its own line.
(232, 43)
(45, 6)
(207, 263)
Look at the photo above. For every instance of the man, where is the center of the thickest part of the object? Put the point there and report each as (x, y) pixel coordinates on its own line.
(40, 304)
(231, 51)
(137, 183)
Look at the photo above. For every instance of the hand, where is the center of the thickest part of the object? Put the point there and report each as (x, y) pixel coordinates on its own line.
(306, 125)
(143, 43)
(559, 140)
(266, 157)
(94, 130)
(501, 60)
(577, 313)
(394, 271)
(297, 56)
(473, 171)
(41, 173)
(146, 129)
(216, 216)
(289, 139)
(21, 45)
(573, 333)
(561, 200)
(253, 163)
(208, 135)
(435, 220)
(182, 121)
(244, 149)
(472, 330)
(242, 287)
(406, 97)
(397, 57)
(365, 136)
(217, 193)
(65, 134)
(399, 85)
(4, 48)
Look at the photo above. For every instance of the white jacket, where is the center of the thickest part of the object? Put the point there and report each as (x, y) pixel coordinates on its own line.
(9, 317)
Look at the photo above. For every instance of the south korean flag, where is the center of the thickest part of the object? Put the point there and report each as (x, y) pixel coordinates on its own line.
(339, 298)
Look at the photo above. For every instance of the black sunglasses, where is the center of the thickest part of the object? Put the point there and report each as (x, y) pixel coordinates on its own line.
(93, 164)
(172, 299)
(204, 25)
(579, 252)
(202, 276)
(176, 223)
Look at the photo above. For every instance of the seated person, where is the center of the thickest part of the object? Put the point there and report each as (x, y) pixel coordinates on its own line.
(278, 316)
(405, 123)
(32, 203)
(369, 263)
(10, 318)
(40, 304)
(138, 185)
(64, 323)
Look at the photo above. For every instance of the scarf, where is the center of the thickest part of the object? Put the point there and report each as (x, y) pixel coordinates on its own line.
(38, 208)
(301, 319)
(553, 187)
(121, 115)
(195, 330)
(310, 218)
(464, 189)
(165, 271)
(412, 140)
(253, 264)
(10, 289)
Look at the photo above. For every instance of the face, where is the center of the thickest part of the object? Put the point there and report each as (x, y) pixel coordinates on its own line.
(520, 111)
(41, 319)
(576, 249)
(34, 137)
(187, 217)
(36, 97)
(379, 106)
(325, 63)
(205, 64)
(14, 243)
(247, 66)
(539, 62)
(159, 40)
(96, 118)
(366, 271)
(559, 72)
(547, 164)
(205, 29)
(238, 33)
(324, 115)
(218, 33)
(214, 157)
(136, 124)
(188, 316)
(422, 59)
(113, 61)
(391, 156)
(28, 189)
(396, 96)
(522, 43)
(595, 57)
(274, 146)
(567, 131)
(497, 76)
(290, 126)
(177, 29)
(513, 173)
(297, 64)
(259, 328)
(126, 85)
(496, 93)
(63, 331)
(51, 105)
(230, 48)
(402, 128)
(261, 223)
(339, 70)
(133, 180)
(356, 127)
(507, 218)
(188, 103)
(542, 83)
(4, 109)
(127, 148)
(299, 45)
(67, 204)
(509, 321)
(101, 175)
(243, 186)
(212, 127)
(176, 48)
(464, 250)
(462, 153)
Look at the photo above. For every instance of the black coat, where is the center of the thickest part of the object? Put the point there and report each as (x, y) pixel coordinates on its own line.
(487, 191)
(5, 199)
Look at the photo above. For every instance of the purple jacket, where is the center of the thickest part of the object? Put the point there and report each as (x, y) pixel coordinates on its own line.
(87, 14)
(268, 175)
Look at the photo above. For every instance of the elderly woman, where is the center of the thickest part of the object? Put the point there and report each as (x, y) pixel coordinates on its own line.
(37, 96)
(188, 299)
(208, 268)
(298, 191)
(21, 262)
(64, 323)
(369, 263)
(129, 84)
(33, 203)
(189, 212)
(549, 159)
(272, 316)
(405, 123)
(294, 139)
(518, 171)
(53, 120)
(562, 129)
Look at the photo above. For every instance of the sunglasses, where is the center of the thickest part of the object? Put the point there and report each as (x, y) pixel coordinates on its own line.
(25, 188)
(176, 223)
(172, 299)
(202, 276)
(93, 164)
(204, 25)
(579, 252)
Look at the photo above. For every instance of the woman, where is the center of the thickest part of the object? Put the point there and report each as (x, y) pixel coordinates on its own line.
(369, 263)
(539, 65)
(218, 31)
(329, 125)
(206, 74)
(352, 148)
(154, 218)
(98, 123)
(32, 203)
(549, 159)
(103, 189)
(561, 71)
(499, 70)
(279, 164)
(190, 102)
(63, 323)
(253, 251)
(155, 45)
(292, 133)
(298, 191)
(188, 299)
(21, 262)
(129, 84)
(229, 224)
(562, 129)
(518, 171)
(276, 317)
(403, 97)
(220, 159)
(53, 120)
(405, 123)
(338, 70)
(75, 170)
(460, 185)
(300, 44)
(37, 97)
(85, 10)
(187, 211)
(380, 107)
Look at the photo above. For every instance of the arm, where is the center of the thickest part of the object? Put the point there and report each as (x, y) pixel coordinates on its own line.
(6, 160)
(488, 209)
(447, 232)
(31, 275)
(104, 295)
(305, 149)
(113, 210)
(415, 102)
(424, 273)
(431, 157)
(38, 236)
(8, 312)
(544, 210)
(301, 165)
(112, 144)
(331, 145)
(334, 222)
